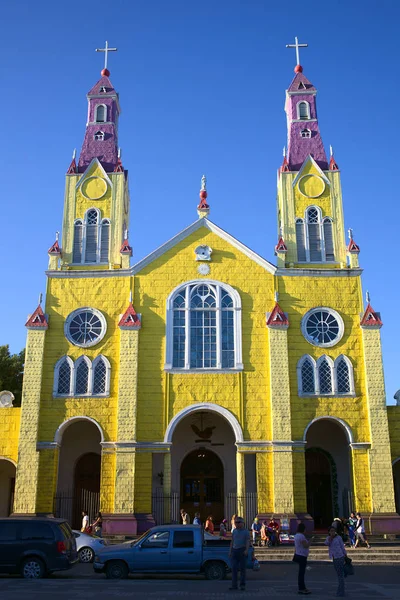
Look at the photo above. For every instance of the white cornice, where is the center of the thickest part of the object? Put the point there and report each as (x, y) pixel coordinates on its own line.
(211, 227)
(300, 272)
(88, 274)
(302, 92)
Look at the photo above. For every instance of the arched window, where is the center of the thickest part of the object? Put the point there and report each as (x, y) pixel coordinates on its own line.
(101, 113)
(305, 133)
(82, 369)
(313, 216)
(92, 235)
(101, 376)
(104, 240)
(78, 237)
(63, 377)
(328, 239)
(99, 136)
(324, 369)
(307, 375)
(300, 241)
(303, 110)
(344, 375)
(204, 327)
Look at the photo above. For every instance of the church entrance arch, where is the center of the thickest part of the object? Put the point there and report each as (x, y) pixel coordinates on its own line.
(79, 470)
(7, 484)
(328, 471)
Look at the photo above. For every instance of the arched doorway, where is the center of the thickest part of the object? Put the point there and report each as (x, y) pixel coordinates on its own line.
(202, 484)
(328, 471)
(79, 470)
(396, 481)
(7, 484)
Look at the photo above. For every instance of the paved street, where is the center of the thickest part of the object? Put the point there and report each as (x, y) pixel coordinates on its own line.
(273, 581)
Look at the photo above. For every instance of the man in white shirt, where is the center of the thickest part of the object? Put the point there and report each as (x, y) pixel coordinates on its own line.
(85, 520)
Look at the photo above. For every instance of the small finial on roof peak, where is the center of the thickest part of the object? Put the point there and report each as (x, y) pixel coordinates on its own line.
(125, 233)
(367, 297)
(57, 235)
(203, 208)
(276, 296)
(350, 234)
(130, 297)
(284, 151)
(331, 150)
(40, 298)
(203, 183)
(74, 154)
(119, 152)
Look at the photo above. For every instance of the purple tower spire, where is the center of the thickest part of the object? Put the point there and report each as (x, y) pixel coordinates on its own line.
(303, 131)
(101, 136)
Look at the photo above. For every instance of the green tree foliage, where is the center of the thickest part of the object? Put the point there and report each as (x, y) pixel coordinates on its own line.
(11, 372)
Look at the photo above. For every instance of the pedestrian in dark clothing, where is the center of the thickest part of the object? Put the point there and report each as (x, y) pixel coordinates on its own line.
(238, 553)
(337, 553)
(301, 551)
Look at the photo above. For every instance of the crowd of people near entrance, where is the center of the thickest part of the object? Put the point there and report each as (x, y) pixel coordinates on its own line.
(343, 532)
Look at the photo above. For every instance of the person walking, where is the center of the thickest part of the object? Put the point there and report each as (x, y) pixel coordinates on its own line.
(301, 551)
(209, 525)
(360, 532)
(185, 517)
(222, 528)
(255, 531)
(85, 522)
(233, 519)
(97, 525)
(238, 552)
(351, 528)
(337, 552)
(197, 520)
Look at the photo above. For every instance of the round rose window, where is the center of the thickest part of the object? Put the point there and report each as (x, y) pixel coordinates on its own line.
(85, 327)
(322, 327)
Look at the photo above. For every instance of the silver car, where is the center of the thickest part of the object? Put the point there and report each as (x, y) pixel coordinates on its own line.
(87, 546)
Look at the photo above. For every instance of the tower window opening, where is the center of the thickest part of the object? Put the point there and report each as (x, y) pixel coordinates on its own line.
(314, 237)
(303, 110)
(103, 90)
(305, 133)
(101, 113)
(99, 136)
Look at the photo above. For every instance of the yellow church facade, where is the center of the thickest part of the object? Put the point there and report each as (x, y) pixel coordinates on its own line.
(203, 377)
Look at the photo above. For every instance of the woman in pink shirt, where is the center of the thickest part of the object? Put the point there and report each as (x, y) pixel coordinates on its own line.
(337, 553)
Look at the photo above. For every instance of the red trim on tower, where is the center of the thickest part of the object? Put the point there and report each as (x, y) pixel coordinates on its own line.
(130, 318)
(371, 318)
(118, 167)
(37, 320)
(277, 318)
(55, 249)
(281, 246)
(333, 166)
(203, 197)
(285, 166)
(72, 167)
(352, 247)
(125, 248)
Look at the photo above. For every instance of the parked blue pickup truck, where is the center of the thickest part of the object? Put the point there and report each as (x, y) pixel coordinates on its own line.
(169, 549)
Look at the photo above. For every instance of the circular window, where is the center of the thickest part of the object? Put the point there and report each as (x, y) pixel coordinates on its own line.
(322, 327)
(85, 327)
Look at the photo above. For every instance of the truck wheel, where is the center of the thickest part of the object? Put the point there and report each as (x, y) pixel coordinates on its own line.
(32, 568)
(215, 570)
(116, 569)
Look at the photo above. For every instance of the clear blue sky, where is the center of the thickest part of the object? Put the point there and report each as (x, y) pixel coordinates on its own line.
(202, 87)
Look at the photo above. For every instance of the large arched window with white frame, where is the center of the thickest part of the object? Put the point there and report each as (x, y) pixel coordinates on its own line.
(314, 237)
(303, 110)
(325, 377)
(101, 370)
(83, 368)
(82, 377)
(204, 327)
(91, 238)
(101, 113)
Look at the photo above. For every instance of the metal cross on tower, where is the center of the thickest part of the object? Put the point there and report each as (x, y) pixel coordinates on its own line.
(106, 50)
(297, 46)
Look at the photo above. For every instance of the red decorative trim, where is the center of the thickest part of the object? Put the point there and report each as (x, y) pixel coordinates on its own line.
(118, 167)
(352, 247)
(371, 318)
(37, 320)
(285, 165)
(130, 318)
(72, 167)
(54, 249)
(277, 318)
(125, 248)
(281, 246)
(333, 166)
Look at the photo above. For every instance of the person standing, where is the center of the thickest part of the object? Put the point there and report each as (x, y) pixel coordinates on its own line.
(337, 553)
(185, 517)
(85, 522)
(98, 524)
(301, 551)
(209, 525)
(238, 553)
(233, 519)
(197, 520)
(360, 531)
(255, 531)
(222, 528)
(351, 527)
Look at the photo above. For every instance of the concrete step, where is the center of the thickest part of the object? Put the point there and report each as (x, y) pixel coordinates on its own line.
(374, 555)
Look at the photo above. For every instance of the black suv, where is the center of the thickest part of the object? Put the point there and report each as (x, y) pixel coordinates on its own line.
(36, 546)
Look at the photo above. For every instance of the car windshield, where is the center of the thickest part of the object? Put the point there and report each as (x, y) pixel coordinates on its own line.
(140, 539)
